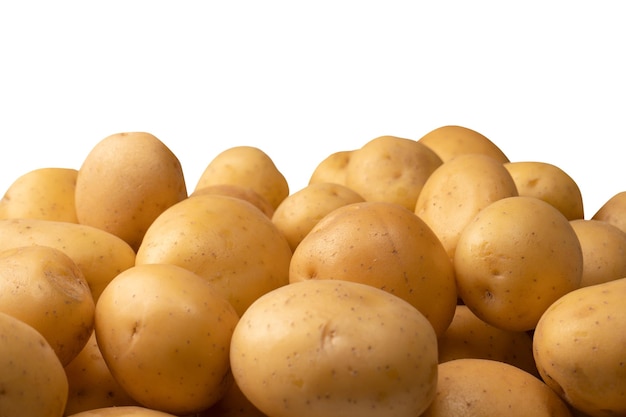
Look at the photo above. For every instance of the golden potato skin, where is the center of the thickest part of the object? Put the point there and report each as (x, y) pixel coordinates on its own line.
(32, 380)
(613, 211)
(514, 259)
(122, 411)
(334, 348)
(579, 348)
(238, 191)
(332, 169)
(125, 182)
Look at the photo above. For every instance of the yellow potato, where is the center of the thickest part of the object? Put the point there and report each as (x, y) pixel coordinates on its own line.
(514, 259)
(246, 166)
(474, 387)
(100, 255)
(164, 333)
(125, 182)
(44, 288)
(334, 348)
(226, 241)
(233, 404)
(549, 183)
(32, 380)
(451, 140)
(613, 211)
(44, 193)
(124, 411)
(332, 169)
(457, 190)
(300, 211)
(391, 169)
(386, 246)
(579, 348)
(238, 191)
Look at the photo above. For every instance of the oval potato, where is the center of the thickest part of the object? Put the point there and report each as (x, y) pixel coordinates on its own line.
(332, 169)
(613, 211)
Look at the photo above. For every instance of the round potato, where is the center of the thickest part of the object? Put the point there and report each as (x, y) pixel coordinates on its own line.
(457, 190)
(300, 211)
(250, 167)
(334, 348)
(579, 348)
(386, 246)
(613, 211)
(391, 169)
(125, 182)
(238, 191)
(164, 333)
(332, 169)
(451, 140)
(44, 287)
(32, 380)
(123, 411)
(473, 387)
(514, 259)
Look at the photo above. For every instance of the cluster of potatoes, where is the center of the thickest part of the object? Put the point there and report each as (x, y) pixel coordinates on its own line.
(431, 277)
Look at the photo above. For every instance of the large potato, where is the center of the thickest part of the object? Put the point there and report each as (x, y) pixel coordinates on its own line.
(44, 193)
(613, 211)
(125, 182)
(122, 411)
(579, 347)
(44, 288)
(514, 259)
(32, 380)
(386, 246)
(226, 241)
(334, 348)
(332, 169)
(164, 332)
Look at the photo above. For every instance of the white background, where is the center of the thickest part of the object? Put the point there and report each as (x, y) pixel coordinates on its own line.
(544, 80)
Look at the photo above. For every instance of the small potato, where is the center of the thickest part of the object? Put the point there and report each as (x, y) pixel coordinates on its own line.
(334, 348)
(44, 193)
(125, 182)
(391, 169)
(123, 411)
(514, 259)
(332, 168)
(300, 211)
(32, 380)
(164, 333)
(474, 387)
(238, 191)
(613, 211)
(44, 288)
(250, 167)
(549, 183)
(451, 140)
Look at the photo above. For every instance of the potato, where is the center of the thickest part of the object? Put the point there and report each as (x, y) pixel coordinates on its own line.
(32, 380)
(246, 166)
(391, 169)
(225, 240)
(233, 404)
(125, 182)
(332, 168)
(44, 193)
(124, 411)
(238, 191)
(164, 333)
(334, 348)
(514, 259)
(451, 140)
(549, 183)
(613, 211)
(457, 190)
(44, 288)
(386, 246)
(300, 211)
(473, 387)
(100, 255)
(579, 348)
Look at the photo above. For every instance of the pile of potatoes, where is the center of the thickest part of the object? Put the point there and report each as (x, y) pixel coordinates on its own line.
(411, 277)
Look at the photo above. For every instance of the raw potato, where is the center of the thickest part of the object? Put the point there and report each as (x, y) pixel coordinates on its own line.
(332, 169)
(44, 288)
(44, 193)
(250, 167)
(32, 380)
(335, 348)
(386, 246)
(549, 183)
(233, 404)
(518, 256)
(238, 191)
(225, 240)
(391, 169)
(579, 348)
(451, 140)
(457, 190)
(126, 411)
(480, 387)
(300, 211)
(613, 211)
(125, 182)
(164, 332)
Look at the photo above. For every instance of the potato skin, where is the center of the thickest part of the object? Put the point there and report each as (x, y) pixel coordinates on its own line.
(613, 211)
(450, 141)
(122, 411)
(332, 169)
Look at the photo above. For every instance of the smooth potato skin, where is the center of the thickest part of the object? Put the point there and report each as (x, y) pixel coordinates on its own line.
(332, 169)
(613, 211)
(450, 141)
(122, 411)
(238, 191)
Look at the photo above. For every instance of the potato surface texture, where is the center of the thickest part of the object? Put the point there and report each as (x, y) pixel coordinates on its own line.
(123, 411)
(332, 169)
(125, 182)
(335, 348)
(613, 211)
